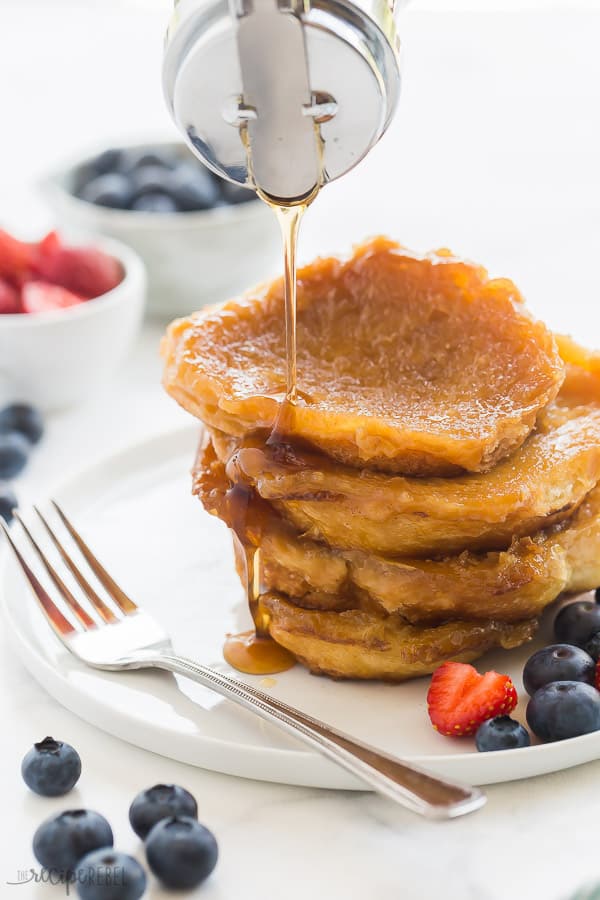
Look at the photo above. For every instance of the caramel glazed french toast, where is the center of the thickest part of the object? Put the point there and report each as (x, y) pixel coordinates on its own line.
(436, 485)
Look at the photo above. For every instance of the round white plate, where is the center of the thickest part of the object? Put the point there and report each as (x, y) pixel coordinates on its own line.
(136, 511)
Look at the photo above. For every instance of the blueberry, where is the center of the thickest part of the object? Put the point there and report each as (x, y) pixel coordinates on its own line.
(22, 418)
(597, 595)
(501, 733)
(160, 802)
(564, 709)
(193, 187)
(51, 768)
(8, 502)
(62, 840)
(577, 622)
(236, 193)
(593, 646)
(108, 161)
(155, 202)
(149, 180)
(108, 875)
(181, 852)
(14, 453)
(132, 160)
(111, 190)
(558, 662)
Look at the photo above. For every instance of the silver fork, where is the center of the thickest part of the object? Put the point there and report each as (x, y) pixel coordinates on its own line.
(127, 637)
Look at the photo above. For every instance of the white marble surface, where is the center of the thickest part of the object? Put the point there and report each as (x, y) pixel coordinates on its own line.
(495, 152)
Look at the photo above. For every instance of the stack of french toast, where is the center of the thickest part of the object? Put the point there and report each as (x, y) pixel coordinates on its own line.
(436, 484)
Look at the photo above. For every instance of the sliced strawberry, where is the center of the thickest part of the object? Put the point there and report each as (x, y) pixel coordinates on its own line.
(39, 296)
(10, 302)
(48, 246)
(16, 258)
(460, 699)
(597, 678)
(83, 270)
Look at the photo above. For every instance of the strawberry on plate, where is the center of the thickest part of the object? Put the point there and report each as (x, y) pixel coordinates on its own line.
(16, 258)
(84, 270)
(39, 296)
(459, 699)
(10, 302)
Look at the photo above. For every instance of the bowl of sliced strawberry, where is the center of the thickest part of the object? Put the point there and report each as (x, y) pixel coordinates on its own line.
(68, 316)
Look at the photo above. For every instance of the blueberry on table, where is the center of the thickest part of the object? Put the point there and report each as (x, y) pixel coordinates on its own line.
(108, 875)
(51, 768)
(160, 802)
(112, 190)
(155, 202)
(577, 622)
(14, 453)
(8, 502)
(558, 662)
(181, 852)
(501, 733)
(564, 709)
(22, 418)
(62, 840)
(193, 187)
(236, 193)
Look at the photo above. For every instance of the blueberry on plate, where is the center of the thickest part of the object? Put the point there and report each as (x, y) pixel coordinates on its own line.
(22, 418)
(112, 190)
(8, 502)
(193, 187)
(558, 662)
(160, 802)
(155, 202)
(14, 453)
(61, 841)
(501, 733)
(564, 709)
(577, 622)
(108, 875)
(181, 852)
(593, 646)
(597, 595)
(51, 768)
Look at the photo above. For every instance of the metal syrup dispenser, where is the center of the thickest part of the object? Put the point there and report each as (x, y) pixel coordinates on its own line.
(282, 95)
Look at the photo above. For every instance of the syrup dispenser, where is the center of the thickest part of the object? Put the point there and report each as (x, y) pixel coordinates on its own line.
(282, 95)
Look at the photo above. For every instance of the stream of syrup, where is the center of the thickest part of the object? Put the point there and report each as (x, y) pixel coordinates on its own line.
(255, 652)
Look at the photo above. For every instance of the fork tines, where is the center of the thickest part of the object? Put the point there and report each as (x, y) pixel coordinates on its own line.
(123, 605)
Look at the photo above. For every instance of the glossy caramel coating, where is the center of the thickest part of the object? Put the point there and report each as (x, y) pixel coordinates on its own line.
(507, 586)
(358, 644)
(540, 485)
(406, 364)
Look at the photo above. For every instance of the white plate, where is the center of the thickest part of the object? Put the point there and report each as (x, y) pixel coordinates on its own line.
(137, 512)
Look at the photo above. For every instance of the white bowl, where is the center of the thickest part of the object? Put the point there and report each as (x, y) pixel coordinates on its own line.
(192, 258)
(53, 359)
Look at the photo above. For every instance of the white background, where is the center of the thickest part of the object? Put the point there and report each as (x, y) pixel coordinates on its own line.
(494, 152)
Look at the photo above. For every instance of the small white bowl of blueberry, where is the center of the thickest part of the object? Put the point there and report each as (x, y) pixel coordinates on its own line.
(203, 239)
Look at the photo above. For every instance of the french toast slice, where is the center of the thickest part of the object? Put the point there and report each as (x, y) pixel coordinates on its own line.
(419, 365)
(359, 644)
(508, 586)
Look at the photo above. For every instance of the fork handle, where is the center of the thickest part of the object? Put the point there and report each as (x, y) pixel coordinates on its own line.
(408, 785)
